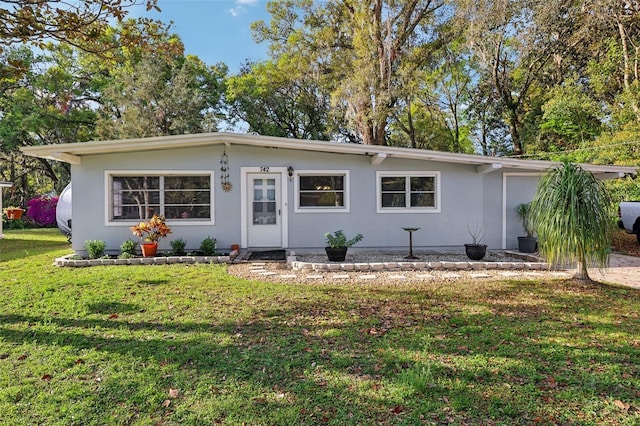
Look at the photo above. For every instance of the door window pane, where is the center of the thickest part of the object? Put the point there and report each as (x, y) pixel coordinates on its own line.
(264, 202)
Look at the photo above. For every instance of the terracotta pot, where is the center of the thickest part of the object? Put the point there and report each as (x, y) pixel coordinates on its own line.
(149, 249)
(235, 247)
(14, 214)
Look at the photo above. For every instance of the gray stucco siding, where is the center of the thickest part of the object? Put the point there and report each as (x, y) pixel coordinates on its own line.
(89, 203)
(466, 198)
(520, 188)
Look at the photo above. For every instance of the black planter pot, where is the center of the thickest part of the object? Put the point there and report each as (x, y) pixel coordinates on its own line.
(475, 251)
(337, 254)
(527, 244)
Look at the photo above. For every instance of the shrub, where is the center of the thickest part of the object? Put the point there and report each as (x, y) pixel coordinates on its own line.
(152, 230)
(42, 210)
(177, 247)
(339, 239)
(95, 248)
(128, 249)
(14, 224)
(208, 246)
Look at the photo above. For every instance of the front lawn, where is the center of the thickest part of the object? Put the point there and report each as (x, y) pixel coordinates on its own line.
(190, 345)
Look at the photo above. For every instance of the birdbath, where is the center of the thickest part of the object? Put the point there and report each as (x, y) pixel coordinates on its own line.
(411, 231)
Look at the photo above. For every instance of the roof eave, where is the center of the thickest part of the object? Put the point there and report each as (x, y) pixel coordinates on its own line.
(73, 152)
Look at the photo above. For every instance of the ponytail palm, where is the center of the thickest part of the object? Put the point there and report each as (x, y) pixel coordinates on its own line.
(571, 213)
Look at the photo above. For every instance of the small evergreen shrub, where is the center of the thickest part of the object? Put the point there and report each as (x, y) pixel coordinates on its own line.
(177, 247)
(128, 249)
(208, 246)
(14, 224)
(95, 248)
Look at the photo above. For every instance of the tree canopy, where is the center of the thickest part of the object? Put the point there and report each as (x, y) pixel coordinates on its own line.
(81, 23)
(549, 80)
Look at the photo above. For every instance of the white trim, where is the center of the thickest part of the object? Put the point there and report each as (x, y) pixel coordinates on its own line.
(504, 201)
(284, 197)
(3, 185)
(378, 158)
(347, 193)
(183, 222)
(488, 168)
(436, 175)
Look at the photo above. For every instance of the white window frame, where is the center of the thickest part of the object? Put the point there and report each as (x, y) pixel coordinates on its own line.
(407, 174)
(326, 209)
(108, 181)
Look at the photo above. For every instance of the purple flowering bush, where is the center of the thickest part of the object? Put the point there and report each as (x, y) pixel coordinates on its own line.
(42, 210)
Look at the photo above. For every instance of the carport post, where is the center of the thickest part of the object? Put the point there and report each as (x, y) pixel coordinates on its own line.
(3, 185)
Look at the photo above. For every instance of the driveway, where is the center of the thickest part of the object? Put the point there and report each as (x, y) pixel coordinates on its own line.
(623, 270)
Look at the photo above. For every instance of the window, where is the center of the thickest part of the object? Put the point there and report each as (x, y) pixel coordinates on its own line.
(322, 191)
(177, 197)
(408, 191)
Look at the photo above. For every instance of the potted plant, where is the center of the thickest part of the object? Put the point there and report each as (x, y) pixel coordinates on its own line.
(528, 243)
(476, 250)
(13, 213)
(151, 232)
(337, 245)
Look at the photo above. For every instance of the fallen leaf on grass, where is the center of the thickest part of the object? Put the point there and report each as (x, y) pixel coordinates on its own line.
(46, 377)
(174, 393)
(166, 403)
(548, 384)
(22, 357)
(625, 406)
(397, 409)
(621, 404)
(113, 316)
(79, 361)
(4, 356)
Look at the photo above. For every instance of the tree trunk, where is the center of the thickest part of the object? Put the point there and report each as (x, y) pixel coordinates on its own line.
(582, 274)
(514, 130)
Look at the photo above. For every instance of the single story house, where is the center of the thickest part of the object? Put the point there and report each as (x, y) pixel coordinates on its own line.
(266, 192)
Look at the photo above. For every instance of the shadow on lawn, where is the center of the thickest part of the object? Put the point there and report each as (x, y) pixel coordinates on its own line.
(416, 352)
(22, 244)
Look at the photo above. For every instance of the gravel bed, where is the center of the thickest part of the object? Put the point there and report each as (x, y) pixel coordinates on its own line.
(377, 256)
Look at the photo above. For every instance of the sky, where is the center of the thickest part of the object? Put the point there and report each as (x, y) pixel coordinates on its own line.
(216, 30)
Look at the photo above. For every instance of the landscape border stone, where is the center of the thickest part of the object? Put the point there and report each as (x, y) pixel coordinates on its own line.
(70, 261)
(529, 262)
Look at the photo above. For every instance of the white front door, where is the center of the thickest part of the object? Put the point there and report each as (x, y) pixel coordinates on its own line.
(264, 215)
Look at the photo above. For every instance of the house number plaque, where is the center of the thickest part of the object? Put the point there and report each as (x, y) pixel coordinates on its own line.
(264, 169)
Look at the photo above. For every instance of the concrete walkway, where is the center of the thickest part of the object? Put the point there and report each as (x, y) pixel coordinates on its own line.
(622, 270)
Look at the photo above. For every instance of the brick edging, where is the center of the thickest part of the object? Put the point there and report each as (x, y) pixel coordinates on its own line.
(68, 261)
(530, 262)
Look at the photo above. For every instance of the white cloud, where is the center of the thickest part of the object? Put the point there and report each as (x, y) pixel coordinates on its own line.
(241, 7)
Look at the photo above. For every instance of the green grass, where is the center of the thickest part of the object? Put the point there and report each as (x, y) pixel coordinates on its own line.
(191, 345)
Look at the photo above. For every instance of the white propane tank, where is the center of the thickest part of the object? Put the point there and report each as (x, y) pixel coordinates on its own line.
(63, 211)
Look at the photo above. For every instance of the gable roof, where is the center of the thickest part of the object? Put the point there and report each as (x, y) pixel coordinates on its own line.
(73, 152)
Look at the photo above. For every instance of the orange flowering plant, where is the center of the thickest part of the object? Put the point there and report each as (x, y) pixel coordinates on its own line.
(152, 230)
